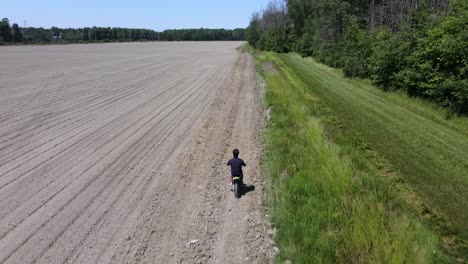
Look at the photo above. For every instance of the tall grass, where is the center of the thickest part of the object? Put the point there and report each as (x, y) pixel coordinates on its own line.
(426, 150)
(327, 202)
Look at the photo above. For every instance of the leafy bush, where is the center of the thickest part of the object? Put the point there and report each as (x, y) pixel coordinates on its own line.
(438, 67)
(356, 51)
(388, 58)
(303, 47)
(272, 41)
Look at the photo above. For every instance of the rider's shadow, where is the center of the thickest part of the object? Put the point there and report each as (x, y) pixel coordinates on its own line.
(246, 189)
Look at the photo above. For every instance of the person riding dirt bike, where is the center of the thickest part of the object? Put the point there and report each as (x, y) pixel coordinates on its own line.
(236, 167)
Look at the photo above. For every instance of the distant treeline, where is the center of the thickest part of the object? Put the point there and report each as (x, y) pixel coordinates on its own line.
(419, 46)
(15, 34)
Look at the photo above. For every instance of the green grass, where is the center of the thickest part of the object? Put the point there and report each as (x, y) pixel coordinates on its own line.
(327, 201)
(429, 152)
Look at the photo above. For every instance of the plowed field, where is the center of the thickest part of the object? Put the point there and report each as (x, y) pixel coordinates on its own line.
(115, 153)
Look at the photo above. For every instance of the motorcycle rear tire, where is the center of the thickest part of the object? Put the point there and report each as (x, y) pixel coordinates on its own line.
(236, 190)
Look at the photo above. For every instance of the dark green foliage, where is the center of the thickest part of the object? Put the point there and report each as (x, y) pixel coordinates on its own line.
(268, 31)
(418, 46)
(356, 51)
(271, 41)
(387, 59)
(438, 67)
(302, 45)
(203, 34)
(5, 31)
(108, 34)
(94, 34)
(253, 33)
(16, 33)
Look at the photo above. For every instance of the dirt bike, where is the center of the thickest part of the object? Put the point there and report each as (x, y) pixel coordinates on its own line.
(236, 186)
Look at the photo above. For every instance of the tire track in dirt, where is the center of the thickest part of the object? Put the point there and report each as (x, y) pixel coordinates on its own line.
(205, 222)
(132, 111)
(186, 96)
(119, 119)
(91, 199)
(94, 166)
(105, 82)
(81, 110)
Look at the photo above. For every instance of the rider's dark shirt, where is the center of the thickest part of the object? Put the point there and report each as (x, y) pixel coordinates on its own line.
(236, 166)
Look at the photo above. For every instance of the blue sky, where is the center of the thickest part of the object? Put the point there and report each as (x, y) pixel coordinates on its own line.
(157, 15)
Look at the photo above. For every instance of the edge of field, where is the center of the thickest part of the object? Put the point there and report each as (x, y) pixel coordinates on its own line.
(329, 199)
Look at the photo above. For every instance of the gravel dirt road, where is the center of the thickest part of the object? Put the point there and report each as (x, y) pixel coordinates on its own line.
(115, 153)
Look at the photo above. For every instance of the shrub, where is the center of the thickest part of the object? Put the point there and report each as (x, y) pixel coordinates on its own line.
(356, 51)
(438, 67)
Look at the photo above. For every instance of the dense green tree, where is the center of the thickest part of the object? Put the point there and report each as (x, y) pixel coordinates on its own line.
(269, 30)
(16, 32)
(356, 49)
(5, 30)
(39, 35)
(202, 34)
(85, 34)
(55, 31)
(438, 66)
(253, 30)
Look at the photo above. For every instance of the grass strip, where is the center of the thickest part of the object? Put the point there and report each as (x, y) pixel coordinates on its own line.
(426, 150)
(328, 203)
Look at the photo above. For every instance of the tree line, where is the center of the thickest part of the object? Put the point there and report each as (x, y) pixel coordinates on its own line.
(419, 46)
(15, 34)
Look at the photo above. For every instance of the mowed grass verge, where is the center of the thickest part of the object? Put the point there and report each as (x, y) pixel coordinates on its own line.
(427, 151)
(327, 201)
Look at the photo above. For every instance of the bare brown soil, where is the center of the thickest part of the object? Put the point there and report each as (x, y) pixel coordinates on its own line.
(115, 153)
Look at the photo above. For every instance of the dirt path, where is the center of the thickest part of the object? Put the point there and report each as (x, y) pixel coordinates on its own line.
(224, 229)
(116, 154)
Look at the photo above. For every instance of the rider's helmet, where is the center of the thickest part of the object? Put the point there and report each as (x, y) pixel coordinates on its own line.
(235, 153)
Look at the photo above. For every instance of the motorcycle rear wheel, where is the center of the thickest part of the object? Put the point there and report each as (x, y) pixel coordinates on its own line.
(236, 190)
